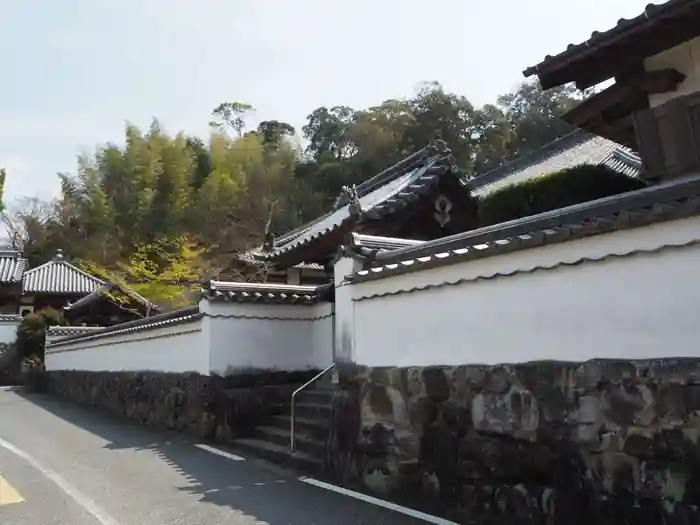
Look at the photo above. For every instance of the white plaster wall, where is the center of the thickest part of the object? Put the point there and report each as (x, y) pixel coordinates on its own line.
(344, 316)
(643, 306)
(250, 337)
(8, 331)
(322, 336)
(176, 348)
(684, 58)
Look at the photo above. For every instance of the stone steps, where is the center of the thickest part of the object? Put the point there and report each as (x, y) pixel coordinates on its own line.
(271, 441)
(303, 442)
(280, 454)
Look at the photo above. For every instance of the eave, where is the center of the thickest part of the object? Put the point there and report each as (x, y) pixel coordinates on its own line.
(622, 49)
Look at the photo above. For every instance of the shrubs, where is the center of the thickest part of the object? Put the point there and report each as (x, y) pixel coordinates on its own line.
(556, 190)
(33, 374)
(9, 365)
(31, 334)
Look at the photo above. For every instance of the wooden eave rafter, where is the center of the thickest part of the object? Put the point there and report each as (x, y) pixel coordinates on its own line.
(608, 113)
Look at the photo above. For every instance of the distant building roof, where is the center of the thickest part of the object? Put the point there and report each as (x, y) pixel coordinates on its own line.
(12, 266)
(576, 149)
(148, 307)
(60, 277)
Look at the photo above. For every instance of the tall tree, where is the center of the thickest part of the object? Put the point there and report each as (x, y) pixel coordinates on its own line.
(535, 115)
(273, 131)
(441, 115)
(26, 223)
(231, 114)
(328, 132)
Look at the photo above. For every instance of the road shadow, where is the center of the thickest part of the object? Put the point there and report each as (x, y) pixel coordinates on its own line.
(253, 487)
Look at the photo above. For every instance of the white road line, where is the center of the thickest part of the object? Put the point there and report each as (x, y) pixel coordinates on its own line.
(80, 498)
(378, 502)
(220, 452)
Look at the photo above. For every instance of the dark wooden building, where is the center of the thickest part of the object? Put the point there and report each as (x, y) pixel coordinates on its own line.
(653, 106)
(12, 268)
(423, 197)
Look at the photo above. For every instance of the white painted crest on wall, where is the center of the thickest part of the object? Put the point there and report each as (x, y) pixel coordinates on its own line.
(443, 206)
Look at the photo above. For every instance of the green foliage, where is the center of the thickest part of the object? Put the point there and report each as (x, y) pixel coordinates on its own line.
(163, 272)
(555, 190)
(231, 114)
(31, 334)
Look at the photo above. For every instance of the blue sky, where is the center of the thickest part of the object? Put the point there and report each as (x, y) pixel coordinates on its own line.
(74, 71)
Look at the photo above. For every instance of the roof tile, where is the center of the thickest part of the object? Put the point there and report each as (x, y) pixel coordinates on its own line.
(576, 149)
(12, 266)
(59, 276)
(184, 315)
(267, 293)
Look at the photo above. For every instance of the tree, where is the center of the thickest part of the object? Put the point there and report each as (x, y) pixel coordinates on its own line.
(231, 114)
(535, 115)
(164, 271)
(273, 131)
(26, 223)
(31, 332)
(328, 132)
(441, 115)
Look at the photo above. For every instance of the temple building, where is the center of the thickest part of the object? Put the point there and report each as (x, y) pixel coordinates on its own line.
(422, 197)
(653, 106)
(58, 284)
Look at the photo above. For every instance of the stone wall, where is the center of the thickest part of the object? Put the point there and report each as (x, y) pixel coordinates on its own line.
(206, 407)
(603, 442)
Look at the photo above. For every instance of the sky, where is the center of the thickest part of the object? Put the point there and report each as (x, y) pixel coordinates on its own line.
(75, 71)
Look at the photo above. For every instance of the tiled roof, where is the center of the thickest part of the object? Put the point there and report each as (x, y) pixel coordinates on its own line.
(576, 149)
(12, 266)
(253, 258)
(59, 276)
(10, 318)
(382, 195)
(672, 9)
(662, 202)
(108, 287)
(366, 247)
(266, 293)
(184, 315)
(64, 331)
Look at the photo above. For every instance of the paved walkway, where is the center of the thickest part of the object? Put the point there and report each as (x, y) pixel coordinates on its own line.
(65, 465)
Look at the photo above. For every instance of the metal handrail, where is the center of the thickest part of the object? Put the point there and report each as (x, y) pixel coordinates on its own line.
(302, 387)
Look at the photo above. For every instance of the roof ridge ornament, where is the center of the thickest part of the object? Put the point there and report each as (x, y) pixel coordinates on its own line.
(59, 255)
(441, 147)
(354, 204)
(268, 242)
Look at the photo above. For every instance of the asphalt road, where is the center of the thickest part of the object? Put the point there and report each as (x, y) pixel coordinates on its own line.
(62, 464)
